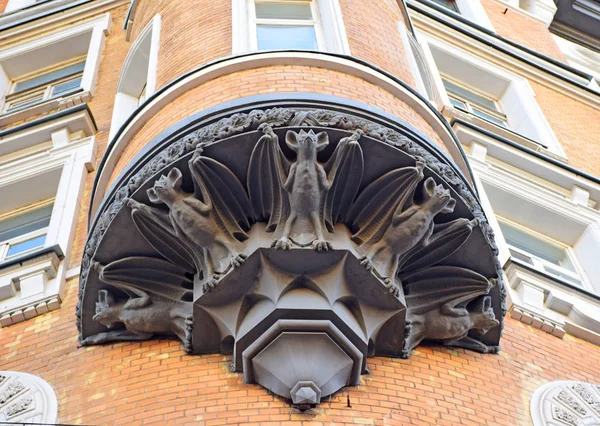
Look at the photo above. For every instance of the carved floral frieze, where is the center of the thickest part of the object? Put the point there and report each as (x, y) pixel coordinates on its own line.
(26, 398)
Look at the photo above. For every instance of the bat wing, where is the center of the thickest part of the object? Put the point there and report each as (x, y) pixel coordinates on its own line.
(371, 214)
(345, 170)
(156, 277)
(156, 228)
(438, 286)
(267, 171)
(231, 207)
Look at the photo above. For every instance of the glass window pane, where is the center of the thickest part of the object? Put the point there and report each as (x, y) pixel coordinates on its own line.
(49, 76)
(283, 10)
(67, 86)
(458, 103)
(26, 222)
(469, 95)
(272, 37)
(536, 246)
(27, 245)
(488, 117)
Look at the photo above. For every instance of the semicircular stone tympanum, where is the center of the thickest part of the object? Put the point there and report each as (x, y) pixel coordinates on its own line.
(299, 240)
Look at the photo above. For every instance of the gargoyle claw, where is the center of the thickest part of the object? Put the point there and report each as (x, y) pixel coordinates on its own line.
(366, 262)
(211, 283)
(282, 244)
(393, 289)
(321, 245)
(238, 260)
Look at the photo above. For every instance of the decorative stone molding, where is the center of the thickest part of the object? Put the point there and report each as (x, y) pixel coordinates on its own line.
(300, 240)
(566, 402)
(26, 398)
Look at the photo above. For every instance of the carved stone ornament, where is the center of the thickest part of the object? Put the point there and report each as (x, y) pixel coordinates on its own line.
(26, 398)
(565, 402)
(301, 241)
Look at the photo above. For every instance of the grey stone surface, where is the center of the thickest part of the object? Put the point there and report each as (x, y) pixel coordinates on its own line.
(327, 240)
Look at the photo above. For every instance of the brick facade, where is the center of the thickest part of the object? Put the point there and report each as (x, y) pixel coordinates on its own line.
(156, 383)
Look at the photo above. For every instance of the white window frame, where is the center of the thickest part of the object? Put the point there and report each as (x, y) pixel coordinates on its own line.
(315, 22)
(38, 285)
(528, 120)
(474, 11)
(7, 244)
(329, 26)
(540, 264)
(97, 28)
(127, 102)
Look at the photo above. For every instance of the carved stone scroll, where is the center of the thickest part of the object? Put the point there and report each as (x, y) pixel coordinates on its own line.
(565, 402)
(26, 399)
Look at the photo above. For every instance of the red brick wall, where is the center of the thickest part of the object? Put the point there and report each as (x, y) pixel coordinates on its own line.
(270, 80)
(522, 29)
(156, 383)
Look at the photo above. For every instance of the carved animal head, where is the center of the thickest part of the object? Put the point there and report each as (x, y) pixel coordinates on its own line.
(306, 144)
(167, 188)
(438, 197)
(107, 309)
(482, 316)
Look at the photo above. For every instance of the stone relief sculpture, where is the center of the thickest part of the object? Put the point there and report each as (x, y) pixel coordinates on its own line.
(359, 224)
(566, 402)
(445, 303)
(26, 399)
(303, 198)
(158, 297)
(212, 219)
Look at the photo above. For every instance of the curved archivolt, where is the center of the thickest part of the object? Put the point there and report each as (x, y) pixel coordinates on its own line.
(566, 402)
(26, 398)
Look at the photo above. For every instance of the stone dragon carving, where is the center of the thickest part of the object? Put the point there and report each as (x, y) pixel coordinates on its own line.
(303, 197)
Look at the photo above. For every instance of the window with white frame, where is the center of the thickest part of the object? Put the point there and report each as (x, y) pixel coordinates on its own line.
(288, 24)
(138, 75)
(37, 74)
(285, 25)
(25, 230)
(448, 4)
(60, 80)
(43, 169)
(541, 252)
(473, 101)
(472, 10)
(494, 98)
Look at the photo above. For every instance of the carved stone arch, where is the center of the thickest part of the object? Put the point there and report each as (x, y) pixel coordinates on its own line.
(281, 230)
(26, 398)
(566, 402)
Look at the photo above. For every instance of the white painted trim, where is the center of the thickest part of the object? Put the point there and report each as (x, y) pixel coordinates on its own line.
(238, 64)
(74, 159)
(44, 408)
(518, 91)
(502, 60)
(42, 19)
(474, 11)
(545, 398)
(410, 56)
(329, 27)
(125, 101)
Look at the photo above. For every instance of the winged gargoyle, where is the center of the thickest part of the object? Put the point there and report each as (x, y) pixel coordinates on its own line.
(391, 226)
(446, 303)
(159, 296)
(210, 223)
(303, 198)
